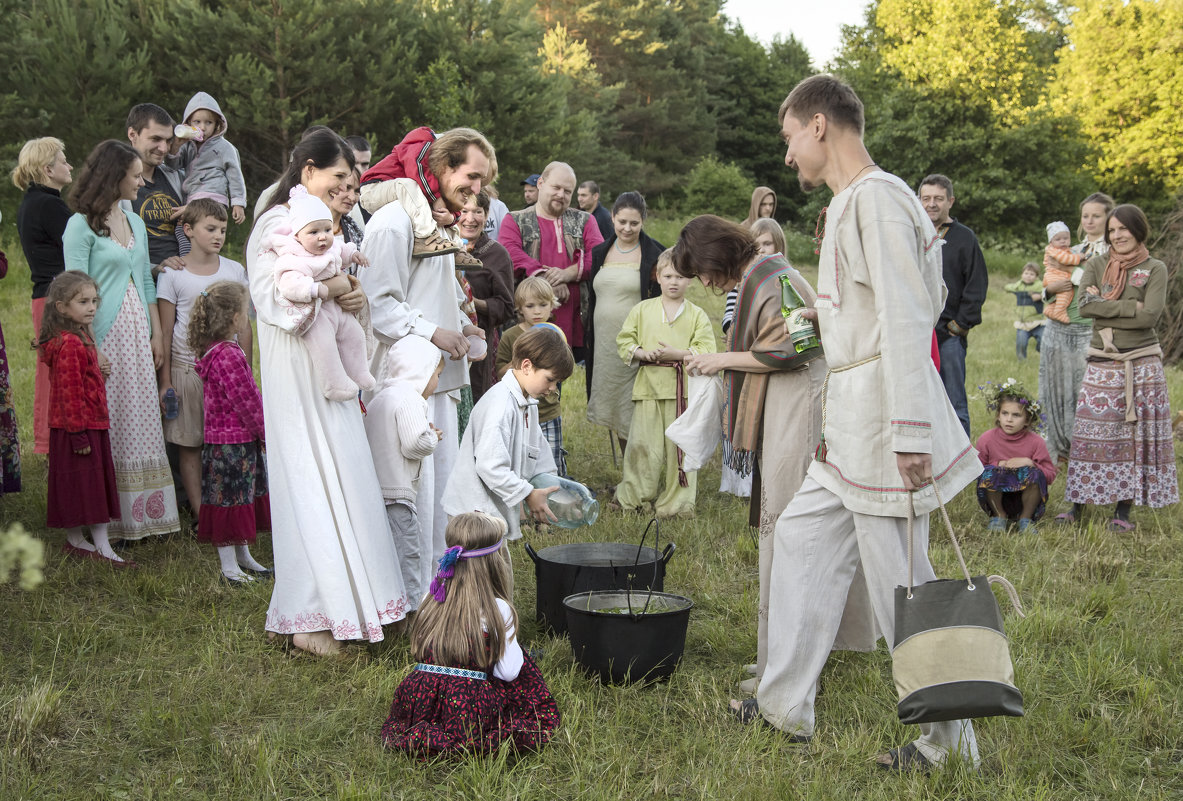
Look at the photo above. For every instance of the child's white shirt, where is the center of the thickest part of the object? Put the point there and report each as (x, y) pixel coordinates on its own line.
(181, 288)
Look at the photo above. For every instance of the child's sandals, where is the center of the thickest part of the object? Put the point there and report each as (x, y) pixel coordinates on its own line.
(433, 245)
(467, 261)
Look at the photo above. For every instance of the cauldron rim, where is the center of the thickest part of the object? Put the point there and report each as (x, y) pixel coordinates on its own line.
(640, 556)
(569, 604)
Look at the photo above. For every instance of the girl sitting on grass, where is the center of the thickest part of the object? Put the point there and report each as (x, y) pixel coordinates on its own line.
(234, 503)
(1018, 468)
(474, 688)
(81, 471)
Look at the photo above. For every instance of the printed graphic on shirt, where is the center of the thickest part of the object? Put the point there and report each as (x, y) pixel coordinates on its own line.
(155, 204)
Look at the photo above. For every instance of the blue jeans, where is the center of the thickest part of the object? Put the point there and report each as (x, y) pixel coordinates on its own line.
(953, 376)
(1022, 338)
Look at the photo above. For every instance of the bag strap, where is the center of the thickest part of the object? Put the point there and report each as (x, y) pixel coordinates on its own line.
(948, 527)
(1011, 592)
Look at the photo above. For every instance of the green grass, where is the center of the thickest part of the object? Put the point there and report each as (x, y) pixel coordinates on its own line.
(158, 683)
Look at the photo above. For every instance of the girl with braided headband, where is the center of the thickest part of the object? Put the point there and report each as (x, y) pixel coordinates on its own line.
(474, 687)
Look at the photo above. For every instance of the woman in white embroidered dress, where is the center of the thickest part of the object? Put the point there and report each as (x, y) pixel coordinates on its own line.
(336, 571)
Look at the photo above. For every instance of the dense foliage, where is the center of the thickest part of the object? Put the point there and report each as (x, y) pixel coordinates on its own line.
(1027, 104)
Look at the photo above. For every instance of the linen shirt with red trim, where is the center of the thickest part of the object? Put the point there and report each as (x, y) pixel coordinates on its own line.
(77, 394)
(233, 406)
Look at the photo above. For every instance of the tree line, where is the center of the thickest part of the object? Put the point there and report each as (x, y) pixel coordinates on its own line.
(1028, 105)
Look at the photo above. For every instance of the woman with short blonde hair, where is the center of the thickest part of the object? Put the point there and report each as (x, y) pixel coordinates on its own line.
(41, 172)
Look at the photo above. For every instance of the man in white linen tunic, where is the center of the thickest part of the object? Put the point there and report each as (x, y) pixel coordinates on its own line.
(420, 296)
(888, 425)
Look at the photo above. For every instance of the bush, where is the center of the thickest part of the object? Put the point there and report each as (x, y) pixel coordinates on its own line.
(716, 187)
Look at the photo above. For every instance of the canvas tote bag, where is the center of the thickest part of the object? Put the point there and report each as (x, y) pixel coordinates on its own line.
(951, 659)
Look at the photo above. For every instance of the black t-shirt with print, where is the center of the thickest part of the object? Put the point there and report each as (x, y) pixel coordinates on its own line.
(155, 203)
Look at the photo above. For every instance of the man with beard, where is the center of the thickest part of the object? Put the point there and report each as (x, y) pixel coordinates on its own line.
(888, 428)
(420, 296)
(555, 241)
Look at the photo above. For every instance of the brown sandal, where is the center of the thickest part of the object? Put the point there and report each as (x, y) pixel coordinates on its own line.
(467, 261)
(434, 245)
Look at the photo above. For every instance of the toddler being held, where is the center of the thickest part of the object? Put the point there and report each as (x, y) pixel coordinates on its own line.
(307, 256)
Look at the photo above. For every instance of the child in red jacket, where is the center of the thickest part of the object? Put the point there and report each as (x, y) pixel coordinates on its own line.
(81, 472)
(234, 501)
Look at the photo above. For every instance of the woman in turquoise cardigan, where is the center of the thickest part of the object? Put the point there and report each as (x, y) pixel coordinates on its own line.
(111, 246)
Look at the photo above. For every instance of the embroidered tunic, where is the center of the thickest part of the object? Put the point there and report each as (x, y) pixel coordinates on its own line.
(892, 401)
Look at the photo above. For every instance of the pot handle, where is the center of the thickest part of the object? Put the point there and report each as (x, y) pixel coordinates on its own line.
(531, 554)
(667, 553)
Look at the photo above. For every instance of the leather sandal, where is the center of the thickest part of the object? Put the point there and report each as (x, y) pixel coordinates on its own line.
(467, 261)
(748, 713)
(434, 245)
(907, 759)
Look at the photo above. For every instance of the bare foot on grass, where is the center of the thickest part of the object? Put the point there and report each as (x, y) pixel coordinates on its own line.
(318, 643)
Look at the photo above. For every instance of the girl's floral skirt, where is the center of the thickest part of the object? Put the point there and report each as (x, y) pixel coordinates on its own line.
(234, 502)
(1011, 481)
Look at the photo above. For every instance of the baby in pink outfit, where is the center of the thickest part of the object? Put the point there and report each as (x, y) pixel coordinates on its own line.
(305, 258)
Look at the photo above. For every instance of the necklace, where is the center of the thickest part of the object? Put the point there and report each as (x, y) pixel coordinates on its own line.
(856, 175)
(819, 231)
(114, 216)
(621, 250)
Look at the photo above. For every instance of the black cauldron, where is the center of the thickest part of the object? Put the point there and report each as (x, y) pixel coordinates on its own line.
(628, 636)
(563, 570)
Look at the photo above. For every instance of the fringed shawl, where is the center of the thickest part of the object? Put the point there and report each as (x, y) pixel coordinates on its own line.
(759, 327)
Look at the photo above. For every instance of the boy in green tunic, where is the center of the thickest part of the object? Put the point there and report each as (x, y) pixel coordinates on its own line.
(658, 334)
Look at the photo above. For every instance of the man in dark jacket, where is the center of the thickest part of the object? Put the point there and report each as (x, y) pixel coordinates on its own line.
(589, 200)
(966, 280)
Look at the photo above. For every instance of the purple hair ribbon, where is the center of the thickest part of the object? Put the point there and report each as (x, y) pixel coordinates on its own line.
(447, 563)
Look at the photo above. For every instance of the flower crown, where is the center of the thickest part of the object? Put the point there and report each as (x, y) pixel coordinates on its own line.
(995, 394)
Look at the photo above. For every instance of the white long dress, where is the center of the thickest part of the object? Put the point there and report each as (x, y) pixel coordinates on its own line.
(335, 564)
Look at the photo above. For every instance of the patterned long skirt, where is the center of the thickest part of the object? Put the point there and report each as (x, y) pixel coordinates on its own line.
(1113, 460)
(435, 714)
(234, 503)
(1011, 481)
(147, 500)
(1062, 355)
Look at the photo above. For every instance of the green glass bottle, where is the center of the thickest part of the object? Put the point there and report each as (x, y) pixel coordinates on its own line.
(801, 330)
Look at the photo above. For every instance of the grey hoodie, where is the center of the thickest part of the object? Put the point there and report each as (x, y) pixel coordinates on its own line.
(211, 167)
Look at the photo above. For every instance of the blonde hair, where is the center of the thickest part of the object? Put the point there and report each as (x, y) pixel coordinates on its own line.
(36, 155)
(465, 628)
(534, 288)
(212, 317)
(767, 225)
(64, 288)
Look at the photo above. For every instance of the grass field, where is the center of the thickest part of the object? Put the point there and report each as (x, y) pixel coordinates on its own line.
(158, 683)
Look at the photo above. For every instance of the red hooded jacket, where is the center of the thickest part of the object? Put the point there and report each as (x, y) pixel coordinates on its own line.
(408, 160)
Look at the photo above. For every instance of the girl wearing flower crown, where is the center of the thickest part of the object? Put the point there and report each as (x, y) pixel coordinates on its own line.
(474, 688)
(1018, 468)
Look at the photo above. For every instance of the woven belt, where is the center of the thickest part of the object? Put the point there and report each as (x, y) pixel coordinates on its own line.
(451, 671)
(821, 452)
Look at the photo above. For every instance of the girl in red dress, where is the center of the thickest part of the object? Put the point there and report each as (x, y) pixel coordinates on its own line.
(81, 472)
(474, 688)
